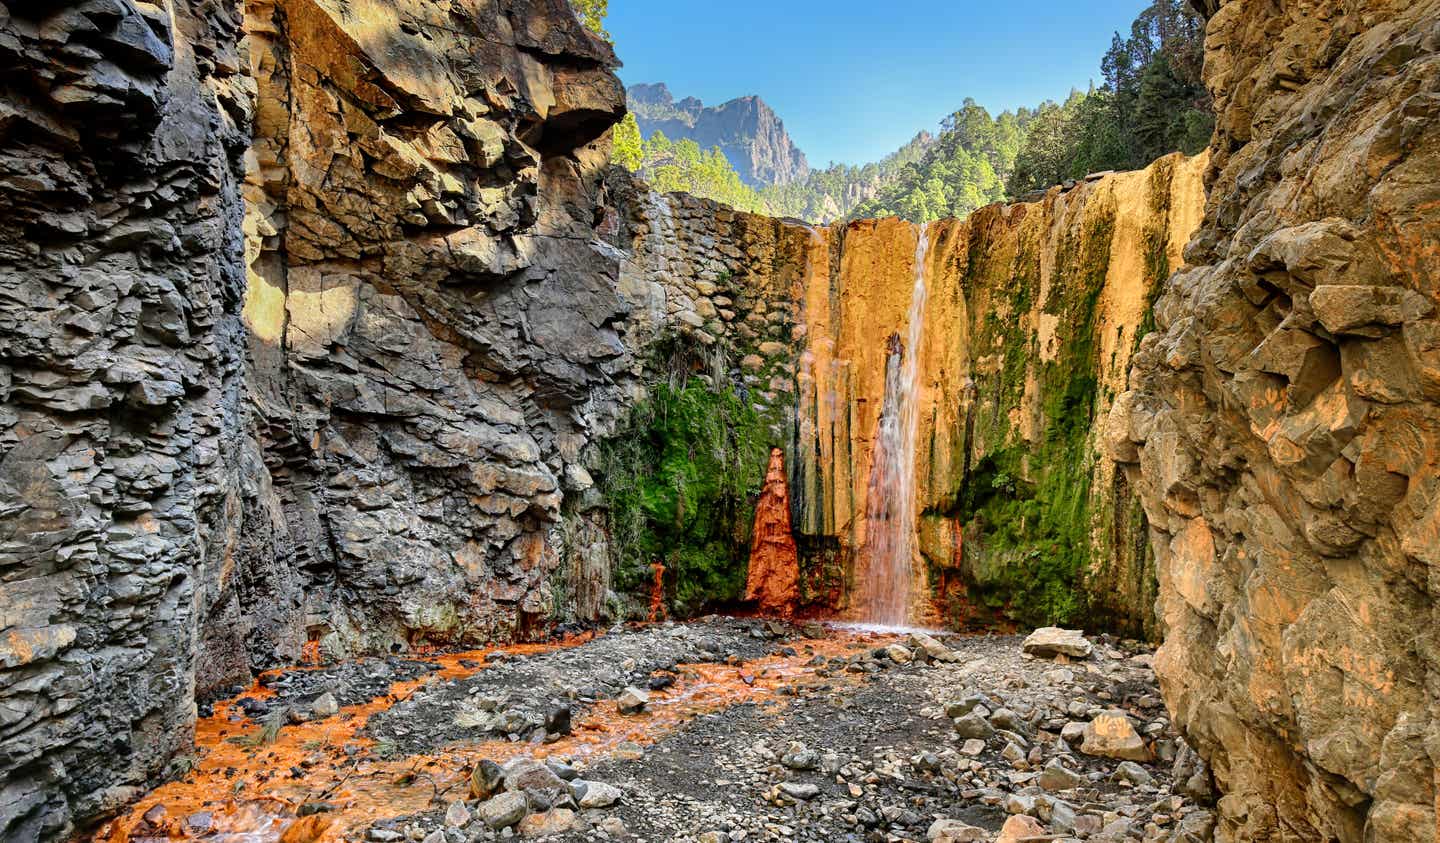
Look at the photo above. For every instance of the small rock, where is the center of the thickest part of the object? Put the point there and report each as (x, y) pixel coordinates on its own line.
(899, 654)
(972, 747)
(1051, 641)
(557, 719)
(933, 648)
(325, 705)
(554, 821)
(504, 810)
(954, 831)
(457, 815)
(973, 725)
(1019, 827)
(1056, 776)
(632, 701)
(799, 790)
(798, 757)
(599, 795)
(1110, 735)
(486, 779)
(1132, 773)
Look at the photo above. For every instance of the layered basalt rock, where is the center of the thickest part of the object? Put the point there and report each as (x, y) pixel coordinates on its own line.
(304, 325)
(1283, 429)
(429, 313)
(122, 431)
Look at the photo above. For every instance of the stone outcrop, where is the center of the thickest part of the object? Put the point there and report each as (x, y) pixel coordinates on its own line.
(1283, 427)
(429, 310)
(746, 129)
(122, 435)
(772, 580)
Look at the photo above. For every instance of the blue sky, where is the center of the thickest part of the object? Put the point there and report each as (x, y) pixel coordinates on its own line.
(855, 79)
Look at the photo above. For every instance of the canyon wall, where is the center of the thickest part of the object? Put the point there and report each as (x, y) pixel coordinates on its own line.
(1283, 429)
(304, 323)
(1032, 313)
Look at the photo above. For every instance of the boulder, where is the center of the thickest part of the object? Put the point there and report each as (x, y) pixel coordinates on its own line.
(1050, 641)
(1110, 735)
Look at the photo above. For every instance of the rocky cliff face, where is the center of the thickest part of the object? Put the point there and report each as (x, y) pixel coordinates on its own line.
(122, 435)
(746, 129)
(303, 326)
(1033, 311)
(1283, 428)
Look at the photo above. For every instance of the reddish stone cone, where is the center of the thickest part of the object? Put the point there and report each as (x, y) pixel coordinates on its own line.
(657, 593)
(774, 578)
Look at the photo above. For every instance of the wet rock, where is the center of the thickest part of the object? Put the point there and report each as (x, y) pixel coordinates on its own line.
(1049, 642)
(632, 701)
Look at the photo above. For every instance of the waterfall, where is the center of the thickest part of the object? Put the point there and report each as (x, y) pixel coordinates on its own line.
(890, 509)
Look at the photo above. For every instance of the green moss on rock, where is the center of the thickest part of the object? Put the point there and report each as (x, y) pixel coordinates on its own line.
(680, 480)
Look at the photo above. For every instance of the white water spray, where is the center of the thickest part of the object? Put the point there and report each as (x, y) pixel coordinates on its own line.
(890, 510)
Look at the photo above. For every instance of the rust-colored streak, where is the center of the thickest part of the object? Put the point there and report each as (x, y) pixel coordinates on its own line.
(773, 580)
(253, 794)
(657, 593)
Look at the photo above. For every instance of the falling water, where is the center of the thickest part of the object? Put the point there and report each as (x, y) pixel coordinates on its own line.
(890, 511)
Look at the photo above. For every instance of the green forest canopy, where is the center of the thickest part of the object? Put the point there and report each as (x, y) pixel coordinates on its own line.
(1152, 102)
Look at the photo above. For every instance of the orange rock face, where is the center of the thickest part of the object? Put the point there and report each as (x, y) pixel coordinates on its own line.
(773, 581)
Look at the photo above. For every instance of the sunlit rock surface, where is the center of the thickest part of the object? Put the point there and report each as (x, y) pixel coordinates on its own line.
(1032, 314)
(1283, 428)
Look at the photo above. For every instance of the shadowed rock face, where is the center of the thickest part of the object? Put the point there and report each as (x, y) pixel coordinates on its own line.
(1284, 433)
(301, 303)
(428, 311)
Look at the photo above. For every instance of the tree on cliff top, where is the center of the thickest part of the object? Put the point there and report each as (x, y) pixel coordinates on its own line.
(1152, 103)
(592, 13)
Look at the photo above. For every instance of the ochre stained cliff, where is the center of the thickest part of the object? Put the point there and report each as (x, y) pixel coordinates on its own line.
(1032, 313)
(1284, 432)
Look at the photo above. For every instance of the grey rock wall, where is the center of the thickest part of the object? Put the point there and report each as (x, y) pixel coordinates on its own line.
(122, 411)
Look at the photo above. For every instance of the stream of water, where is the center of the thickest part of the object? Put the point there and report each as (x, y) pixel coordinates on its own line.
(890, 510)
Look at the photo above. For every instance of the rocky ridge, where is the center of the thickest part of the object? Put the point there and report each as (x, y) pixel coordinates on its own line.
(746, 129)
(1282, 427)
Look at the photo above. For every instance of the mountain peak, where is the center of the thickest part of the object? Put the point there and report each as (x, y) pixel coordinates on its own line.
(746, 129)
